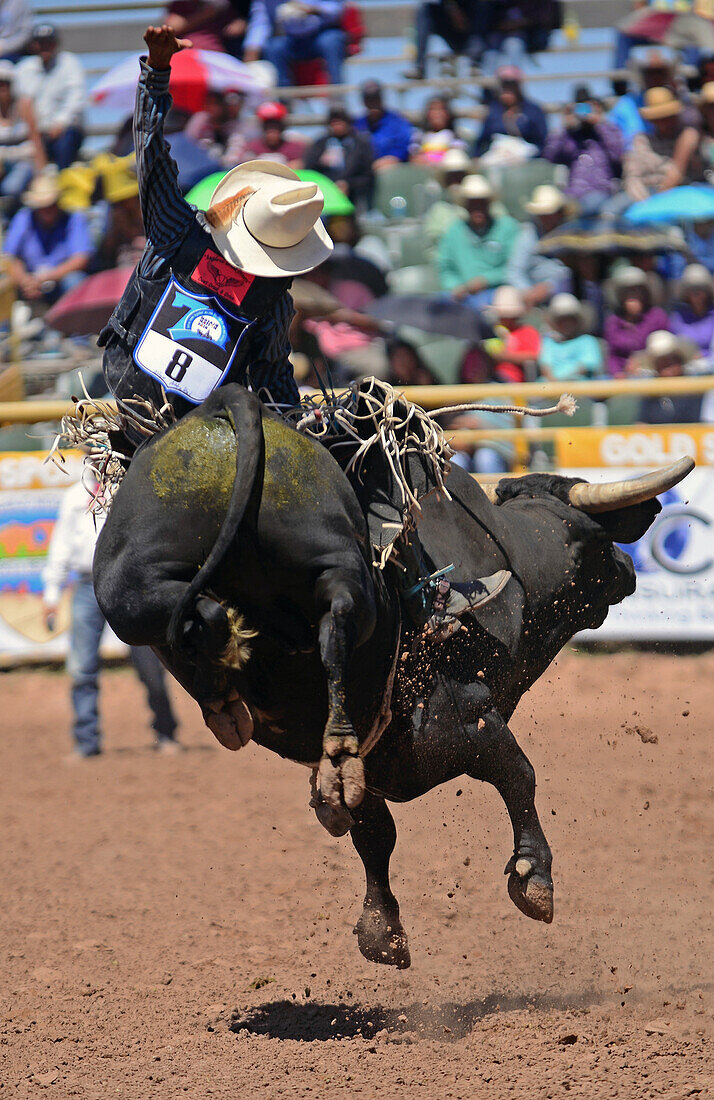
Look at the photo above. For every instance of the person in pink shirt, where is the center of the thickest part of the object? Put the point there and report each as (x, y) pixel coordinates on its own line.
(273, 143)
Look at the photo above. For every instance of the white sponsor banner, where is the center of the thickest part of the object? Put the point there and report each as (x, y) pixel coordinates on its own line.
(674, 599)
(30, 495)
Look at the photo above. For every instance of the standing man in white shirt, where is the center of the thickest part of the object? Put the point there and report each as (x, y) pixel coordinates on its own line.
(15, 28)
(70, 554)
(54, 81)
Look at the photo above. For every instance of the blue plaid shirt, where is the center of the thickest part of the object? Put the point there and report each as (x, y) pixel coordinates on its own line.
(167, 219)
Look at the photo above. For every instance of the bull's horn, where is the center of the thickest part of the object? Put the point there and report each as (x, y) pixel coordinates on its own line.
(622, 494)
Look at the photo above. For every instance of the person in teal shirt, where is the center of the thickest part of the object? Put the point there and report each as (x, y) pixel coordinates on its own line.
(567, 352)
(473, 255)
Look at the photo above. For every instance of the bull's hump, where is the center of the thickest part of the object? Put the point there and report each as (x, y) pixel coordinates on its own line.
(194, 463)
(297, 470)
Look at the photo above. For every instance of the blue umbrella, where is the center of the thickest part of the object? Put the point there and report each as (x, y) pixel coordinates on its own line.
(690, 204)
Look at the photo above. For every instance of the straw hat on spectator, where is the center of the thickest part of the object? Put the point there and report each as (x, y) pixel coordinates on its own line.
(660, 103)
(565, 305)
(43, 192)
(508, 302)
(546, 199)
(475, 187)
(7, 72)
(265, 220)
(696, 277)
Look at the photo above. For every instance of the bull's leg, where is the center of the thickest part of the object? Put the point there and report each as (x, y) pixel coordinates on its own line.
(346, 621)
(379, 931)
(457, 731)
(502, 762)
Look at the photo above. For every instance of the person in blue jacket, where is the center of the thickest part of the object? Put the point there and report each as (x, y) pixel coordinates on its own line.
(390, 132)
(511, 113)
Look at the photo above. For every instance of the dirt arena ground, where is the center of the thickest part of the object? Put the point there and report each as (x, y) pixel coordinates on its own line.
(181, 926)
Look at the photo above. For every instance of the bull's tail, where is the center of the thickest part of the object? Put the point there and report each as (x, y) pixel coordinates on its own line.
(244, 413)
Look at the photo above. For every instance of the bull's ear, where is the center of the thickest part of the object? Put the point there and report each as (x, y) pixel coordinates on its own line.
(629, 524)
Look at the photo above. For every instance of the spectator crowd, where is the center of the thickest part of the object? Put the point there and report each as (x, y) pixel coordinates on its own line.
(518, 225)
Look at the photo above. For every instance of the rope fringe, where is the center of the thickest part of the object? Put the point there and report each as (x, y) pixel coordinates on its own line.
(397, 427)
(90, 427)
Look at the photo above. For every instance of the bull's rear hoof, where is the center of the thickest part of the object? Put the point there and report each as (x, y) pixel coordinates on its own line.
(533, 895)
(381, 939)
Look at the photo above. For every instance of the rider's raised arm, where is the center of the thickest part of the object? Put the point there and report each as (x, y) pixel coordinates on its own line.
(167, 216)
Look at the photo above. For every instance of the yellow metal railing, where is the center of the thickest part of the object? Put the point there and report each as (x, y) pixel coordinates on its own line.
(435, 397)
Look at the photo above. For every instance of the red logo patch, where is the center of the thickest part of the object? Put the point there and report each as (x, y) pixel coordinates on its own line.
(216, 274)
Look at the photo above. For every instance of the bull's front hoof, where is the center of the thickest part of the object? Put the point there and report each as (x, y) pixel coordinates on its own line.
(530, 890)
(381, 938)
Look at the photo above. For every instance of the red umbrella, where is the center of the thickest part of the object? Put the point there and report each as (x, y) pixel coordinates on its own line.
(676, 29)
(85, 310)
(193, 73)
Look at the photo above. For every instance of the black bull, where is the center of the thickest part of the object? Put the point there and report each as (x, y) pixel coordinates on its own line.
(249, 570)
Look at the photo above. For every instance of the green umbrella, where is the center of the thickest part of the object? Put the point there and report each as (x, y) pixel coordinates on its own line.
(200, 195)
(335, 201)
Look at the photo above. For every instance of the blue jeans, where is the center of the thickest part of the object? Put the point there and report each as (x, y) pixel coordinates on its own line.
(329, 44)
(83, 665)
(16, 179)
(63, 150)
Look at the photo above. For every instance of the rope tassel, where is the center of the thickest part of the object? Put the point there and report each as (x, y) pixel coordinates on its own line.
(566, 404)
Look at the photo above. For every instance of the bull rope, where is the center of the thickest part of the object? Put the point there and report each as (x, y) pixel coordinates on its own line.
(398, 427)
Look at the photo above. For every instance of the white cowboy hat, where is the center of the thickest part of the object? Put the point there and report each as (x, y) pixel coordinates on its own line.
(43, 191)
(546, 199)
(630, 278)
(662, 343)
(273, 228)
(565, 305)
(696, 276)
(475, 187)
(508, 302)
(455, 160)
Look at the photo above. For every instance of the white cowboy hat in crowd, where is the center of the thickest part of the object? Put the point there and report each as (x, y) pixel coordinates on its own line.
(475, 187)
(565, 305)
(43, 191)
(455, 160)
(665, 345)
(273, 228)
(696, 276)
(630, 278)
(508, 302)
(546, 199)
(662, 343)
